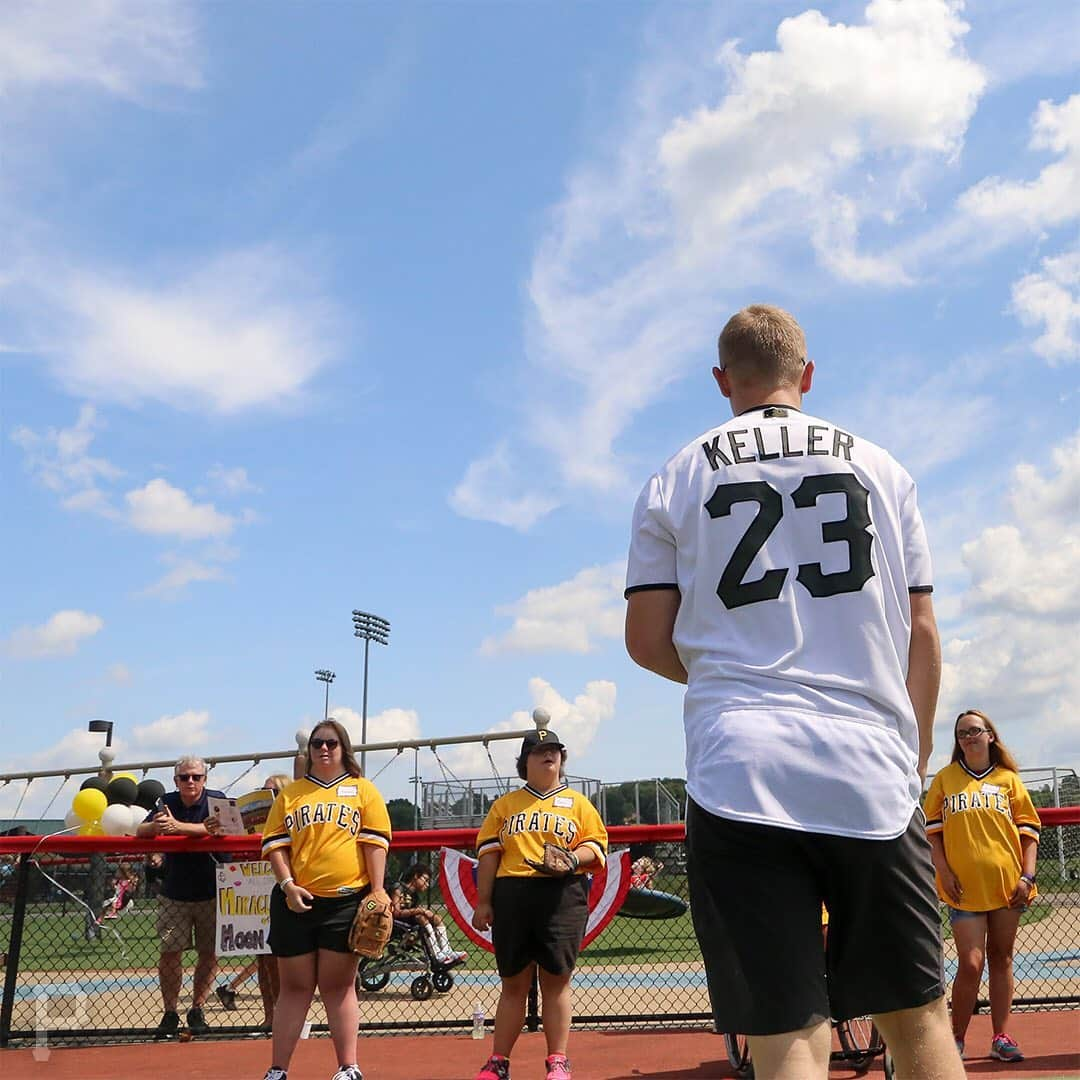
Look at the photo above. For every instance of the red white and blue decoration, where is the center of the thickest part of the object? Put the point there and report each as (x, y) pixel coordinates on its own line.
(457, 878)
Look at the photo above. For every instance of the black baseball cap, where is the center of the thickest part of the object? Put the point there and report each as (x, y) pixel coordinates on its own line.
(540, 737)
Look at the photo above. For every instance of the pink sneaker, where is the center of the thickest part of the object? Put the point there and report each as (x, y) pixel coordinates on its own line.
(558, 1068)
(1004, 1048)
(497, 1068)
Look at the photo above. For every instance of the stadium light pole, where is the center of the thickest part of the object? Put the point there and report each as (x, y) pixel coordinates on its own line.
(327, 677)
(370, 628)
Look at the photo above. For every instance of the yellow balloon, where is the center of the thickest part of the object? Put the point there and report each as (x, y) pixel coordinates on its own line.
(126, 775)
(89, 804)
(92, 828)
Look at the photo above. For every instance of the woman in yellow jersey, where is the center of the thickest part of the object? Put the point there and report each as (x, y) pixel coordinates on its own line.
(326, 839)
(984, 833)
(537, 921)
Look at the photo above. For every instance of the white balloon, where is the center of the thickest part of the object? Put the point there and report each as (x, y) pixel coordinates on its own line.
(72, 820)
(541, 718)
(116, 820)
(137, 815)
(302, 739)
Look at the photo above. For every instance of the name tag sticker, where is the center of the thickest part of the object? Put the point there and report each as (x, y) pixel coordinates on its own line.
(561, 800)
(990, 789)
(347, 789)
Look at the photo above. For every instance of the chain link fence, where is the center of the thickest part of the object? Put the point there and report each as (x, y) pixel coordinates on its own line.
(85, 978)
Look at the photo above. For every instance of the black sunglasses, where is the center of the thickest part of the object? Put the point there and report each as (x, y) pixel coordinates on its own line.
(190, 775)
(330, 744)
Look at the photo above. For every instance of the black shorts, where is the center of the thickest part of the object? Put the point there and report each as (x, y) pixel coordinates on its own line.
(325, 926)
(539, 920)
(756, 893)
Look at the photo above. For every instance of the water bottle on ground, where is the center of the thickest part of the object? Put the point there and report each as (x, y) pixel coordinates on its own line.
(478, 1021)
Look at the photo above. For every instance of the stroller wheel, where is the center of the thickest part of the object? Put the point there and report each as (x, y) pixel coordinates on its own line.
(421, 988)
(442, 980)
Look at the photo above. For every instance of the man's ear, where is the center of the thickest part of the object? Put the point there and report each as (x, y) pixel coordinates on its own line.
(723, 380)
(807, 377)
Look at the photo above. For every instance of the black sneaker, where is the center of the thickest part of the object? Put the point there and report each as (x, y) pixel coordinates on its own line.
(169, 1026)
(196, 1022)
(227, 996)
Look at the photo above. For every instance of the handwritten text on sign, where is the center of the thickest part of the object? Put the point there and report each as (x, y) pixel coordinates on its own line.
(243, 908)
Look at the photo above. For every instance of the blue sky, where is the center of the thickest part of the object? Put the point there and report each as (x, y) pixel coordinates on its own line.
(308, 308)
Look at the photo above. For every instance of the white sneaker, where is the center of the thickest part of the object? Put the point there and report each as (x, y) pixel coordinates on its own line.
(274, 1073)
(348, 1072)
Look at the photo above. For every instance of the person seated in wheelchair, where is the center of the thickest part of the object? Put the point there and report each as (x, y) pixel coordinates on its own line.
(410, 913)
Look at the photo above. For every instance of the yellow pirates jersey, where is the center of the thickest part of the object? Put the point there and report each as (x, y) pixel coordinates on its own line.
(521, 822)
(981, 817)
(322, 825)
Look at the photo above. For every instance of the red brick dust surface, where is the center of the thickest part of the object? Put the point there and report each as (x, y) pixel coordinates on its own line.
(1051, 1042)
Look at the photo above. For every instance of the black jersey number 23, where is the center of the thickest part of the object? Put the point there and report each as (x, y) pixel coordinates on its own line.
(852, 530)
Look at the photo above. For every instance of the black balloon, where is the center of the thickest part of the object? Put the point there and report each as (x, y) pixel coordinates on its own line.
(122, 790)
(148, 793)
(96, 783)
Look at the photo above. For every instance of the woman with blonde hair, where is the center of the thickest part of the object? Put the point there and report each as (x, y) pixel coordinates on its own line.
(984, 834)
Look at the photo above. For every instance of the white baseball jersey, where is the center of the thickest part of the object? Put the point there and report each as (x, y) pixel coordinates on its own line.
(794, 546)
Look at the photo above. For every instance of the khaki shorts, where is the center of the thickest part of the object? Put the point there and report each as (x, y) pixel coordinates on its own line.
(177, 918)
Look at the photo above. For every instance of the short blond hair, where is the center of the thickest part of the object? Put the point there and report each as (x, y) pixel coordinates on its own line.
(763, 345)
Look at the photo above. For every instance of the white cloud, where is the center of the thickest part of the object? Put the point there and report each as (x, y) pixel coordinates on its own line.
(1048, 503)
(186, 732)
(576, 721)
(1050, 298)
(182, 573)
(231, 481)
(490, 491)
(119, 47)
(163, 510)
(1053, 198)
(60, 458)
(390, 725)
(830, 94)
(244, 330)
(1013, 651)
(60, 635)
(570, 616)
(734, 171)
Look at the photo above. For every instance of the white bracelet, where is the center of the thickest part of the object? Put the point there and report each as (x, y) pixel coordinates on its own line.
(286, 881)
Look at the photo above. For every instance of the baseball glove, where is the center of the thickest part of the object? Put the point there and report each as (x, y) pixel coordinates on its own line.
(557, 861)
(370, 930)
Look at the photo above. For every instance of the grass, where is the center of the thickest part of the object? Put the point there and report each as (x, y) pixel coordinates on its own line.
(56, 941)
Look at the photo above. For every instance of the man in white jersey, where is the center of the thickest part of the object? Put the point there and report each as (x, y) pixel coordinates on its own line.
(779, 568)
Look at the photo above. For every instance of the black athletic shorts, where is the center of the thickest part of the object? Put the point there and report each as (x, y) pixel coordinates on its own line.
(539, 920)
(756, 893)
(325, 926)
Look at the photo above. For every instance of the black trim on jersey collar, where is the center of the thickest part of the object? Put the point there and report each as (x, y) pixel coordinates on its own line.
(769, 405)
(329, 783)
(540, 795)
(977, 775)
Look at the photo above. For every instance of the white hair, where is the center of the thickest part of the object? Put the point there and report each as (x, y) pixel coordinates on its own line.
(190, 761)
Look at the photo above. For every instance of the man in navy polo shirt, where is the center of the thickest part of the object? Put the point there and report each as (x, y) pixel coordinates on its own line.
(188, 892)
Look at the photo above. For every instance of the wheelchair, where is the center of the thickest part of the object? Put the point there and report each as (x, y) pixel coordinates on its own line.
(860, 1043)
(407, 950)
